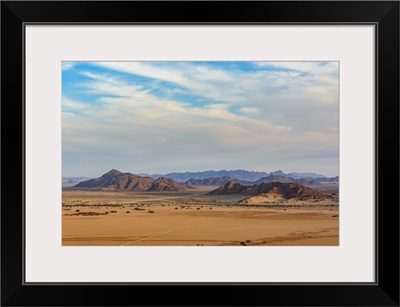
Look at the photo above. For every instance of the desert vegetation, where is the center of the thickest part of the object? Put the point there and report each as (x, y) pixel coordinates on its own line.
(176, 218)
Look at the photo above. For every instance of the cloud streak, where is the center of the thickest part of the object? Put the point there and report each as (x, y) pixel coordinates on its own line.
(67, 65)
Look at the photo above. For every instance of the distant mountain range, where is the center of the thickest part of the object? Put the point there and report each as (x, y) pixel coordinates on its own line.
(274, 187)
(215, 178)
(213, 181)
(116, 180)
(270, 191)
(270, 178)
(236, 174)
(71, 181)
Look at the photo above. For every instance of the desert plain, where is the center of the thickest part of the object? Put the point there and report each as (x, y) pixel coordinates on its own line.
(192, 218)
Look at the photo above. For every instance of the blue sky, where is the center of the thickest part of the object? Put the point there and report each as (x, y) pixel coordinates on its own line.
(160, 117)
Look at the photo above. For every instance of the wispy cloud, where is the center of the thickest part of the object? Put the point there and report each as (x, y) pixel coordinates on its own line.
(67, 65)
(236, 86)
(73, 105)
(193, 116)
(249, 110)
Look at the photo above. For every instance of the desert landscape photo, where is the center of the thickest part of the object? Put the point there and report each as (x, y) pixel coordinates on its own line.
(200, 154)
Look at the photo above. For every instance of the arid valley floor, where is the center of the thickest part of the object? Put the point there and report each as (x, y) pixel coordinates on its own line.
(191, 218)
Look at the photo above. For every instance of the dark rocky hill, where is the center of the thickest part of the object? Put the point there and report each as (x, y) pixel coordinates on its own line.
(116, 180)
(278, 189)
(166, 184)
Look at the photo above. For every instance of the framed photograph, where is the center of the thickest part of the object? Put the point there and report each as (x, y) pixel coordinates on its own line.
(242, 153)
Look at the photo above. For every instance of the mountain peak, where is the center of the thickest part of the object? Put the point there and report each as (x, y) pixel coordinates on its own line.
(230, 187)
(116, 180)
(278, 172)
(231, 183)
(166, 184)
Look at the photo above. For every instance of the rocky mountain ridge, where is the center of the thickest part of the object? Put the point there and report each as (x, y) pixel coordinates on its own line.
(116, 180)
(279, 190)
(236, 174)
(271, 178)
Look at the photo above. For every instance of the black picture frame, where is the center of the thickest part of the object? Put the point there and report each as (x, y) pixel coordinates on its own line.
(383, 14)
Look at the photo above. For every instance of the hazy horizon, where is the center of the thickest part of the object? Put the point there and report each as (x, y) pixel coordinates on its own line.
(164, 117)
(215, 170)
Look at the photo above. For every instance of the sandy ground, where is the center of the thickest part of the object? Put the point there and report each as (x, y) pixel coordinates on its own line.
(125, 218)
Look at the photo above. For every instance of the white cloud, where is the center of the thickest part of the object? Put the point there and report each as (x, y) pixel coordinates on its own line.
(65, 114)
(130, 100)
(254, 89)
(203, 81)
(316, 68)
(249, 110)
(67, 65)
(73, 105)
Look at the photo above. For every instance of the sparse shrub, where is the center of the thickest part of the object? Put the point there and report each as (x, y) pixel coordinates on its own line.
(243, 243)
(248, 241)
(77, 210)
(106, 212)
(176, 208)
(128, 212)
(150, 211)
(198, 208)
